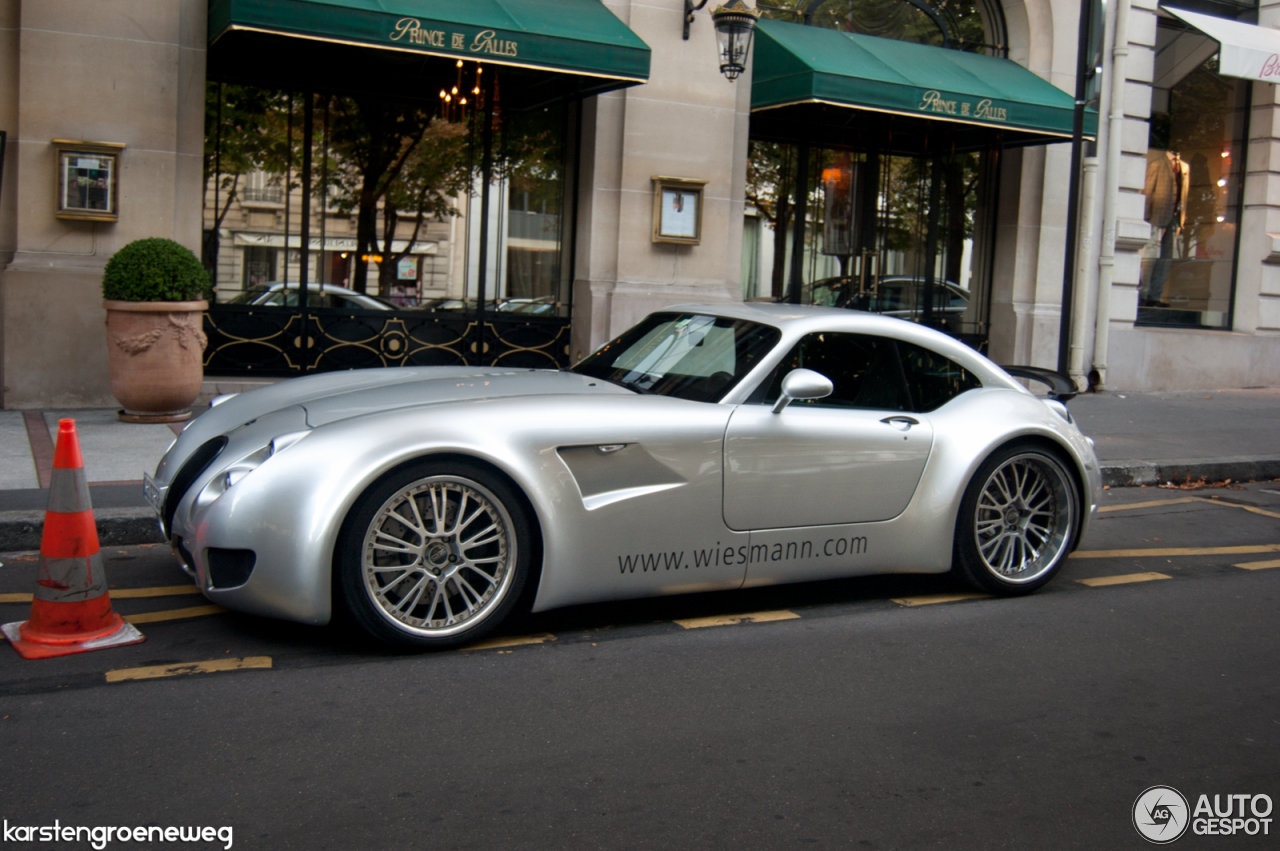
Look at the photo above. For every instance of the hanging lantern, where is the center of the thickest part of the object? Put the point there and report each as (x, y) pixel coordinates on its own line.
(735, 24)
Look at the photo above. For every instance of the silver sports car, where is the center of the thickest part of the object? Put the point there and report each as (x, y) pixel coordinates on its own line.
(709, 447)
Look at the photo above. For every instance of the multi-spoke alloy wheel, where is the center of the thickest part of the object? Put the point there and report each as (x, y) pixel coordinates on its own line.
(441, 556)
(1017, 521)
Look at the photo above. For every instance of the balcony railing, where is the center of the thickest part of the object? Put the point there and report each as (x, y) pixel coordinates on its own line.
(268, 195)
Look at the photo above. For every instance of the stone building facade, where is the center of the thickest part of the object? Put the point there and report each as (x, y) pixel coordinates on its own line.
(134, 72)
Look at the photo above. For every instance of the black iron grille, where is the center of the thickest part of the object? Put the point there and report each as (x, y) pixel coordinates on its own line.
(188, 473)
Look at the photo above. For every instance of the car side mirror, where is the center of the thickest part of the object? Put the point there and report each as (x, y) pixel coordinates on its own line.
(802, 384)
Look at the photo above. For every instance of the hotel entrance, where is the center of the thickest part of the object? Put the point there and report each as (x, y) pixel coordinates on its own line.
(877, 133)
(415, 176)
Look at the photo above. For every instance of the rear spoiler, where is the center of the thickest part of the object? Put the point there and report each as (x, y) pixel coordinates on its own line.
(1061, 388)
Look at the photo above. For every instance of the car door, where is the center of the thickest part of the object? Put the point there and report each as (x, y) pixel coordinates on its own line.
(855, 456)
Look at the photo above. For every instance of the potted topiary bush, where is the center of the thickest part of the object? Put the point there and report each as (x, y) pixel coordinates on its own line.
(154, 292)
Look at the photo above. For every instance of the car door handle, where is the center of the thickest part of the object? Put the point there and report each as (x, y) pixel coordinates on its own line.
(901, 423)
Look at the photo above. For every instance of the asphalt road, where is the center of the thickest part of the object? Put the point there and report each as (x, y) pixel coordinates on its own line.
(854, 714)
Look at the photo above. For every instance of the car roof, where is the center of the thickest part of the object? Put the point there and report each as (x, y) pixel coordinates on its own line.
(312, 286)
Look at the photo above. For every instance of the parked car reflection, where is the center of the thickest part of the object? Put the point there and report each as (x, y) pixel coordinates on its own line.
(900, 296)
(543, 305)
(330, 295)
(318, 295)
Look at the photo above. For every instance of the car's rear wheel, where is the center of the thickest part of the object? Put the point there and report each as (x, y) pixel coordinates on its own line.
(434, 555)
(1017, 522)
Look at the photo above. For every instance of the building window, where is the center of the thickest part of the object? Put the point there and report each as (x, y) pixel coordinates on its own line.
(1193, 186)
(261, 187)
(259, 266)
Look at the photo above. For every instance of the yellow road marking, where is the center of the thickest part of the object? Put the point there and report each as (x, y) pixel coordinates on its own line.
(174, 614)
(1124, 579)
(1178, 551)
(158, 591)
(1183, 500)
(1255, 510)
(930, 599)
(730, 620)
(1259, 565)
(122, 593)
(513, 641)
(212, 666)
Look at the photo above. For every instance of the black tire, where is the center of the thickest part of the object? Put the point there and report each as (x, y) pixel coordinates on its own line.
(446, 571)
(1018, 521)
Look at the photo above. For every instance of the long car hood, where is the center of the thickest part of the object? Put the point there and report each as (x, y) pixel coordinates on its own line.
(334, 396)
(456, 386)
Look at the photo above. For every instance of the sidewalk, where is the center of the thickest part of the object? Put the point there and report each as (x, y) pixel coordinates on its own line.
(1153, 438)
(1141, 438)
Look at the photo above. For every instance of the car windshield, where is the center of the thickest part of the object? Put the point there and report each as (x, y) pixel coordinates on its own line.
(688, 355)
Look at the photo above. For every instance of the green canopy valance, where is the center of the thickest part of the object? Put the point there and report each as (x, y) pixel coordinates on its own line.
(579, 38)
(815, 76)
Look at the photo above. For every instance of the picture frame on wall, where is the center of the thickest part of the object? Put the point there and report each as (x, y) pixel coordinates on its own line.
(677, 210)
(87, 180)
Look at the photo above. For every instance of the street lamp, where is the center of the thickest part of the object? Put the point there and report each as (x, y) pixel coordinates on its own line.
(735, 22)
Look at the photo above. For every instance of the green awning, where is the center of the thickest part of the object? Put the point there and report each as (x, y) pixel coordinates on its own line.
(581, 38)
(798, 65)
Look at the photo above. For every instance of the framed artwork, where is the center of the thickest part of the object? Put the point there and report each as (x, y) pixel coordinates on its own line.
(677, 210)
(88, 180)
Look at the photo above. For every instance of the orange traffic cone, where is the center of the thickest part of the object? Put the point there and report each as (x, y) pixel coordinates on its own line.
(71, 610)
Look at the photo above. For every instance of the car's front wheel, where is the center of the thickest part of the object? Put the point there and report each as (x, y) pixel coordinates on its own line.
(434, 555)
(1017, 522)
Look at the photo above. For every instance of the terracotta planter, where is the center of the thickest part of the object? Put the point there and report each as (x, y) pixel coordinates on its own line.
(155, 350)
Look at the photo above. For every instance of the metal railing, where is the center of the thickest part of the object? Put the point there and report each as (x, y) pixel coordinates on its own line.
(250, 340)
(268, 195)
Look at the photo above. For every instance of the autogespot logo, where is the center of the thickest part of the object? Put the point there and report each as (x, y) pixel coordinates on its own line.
(1160, 814)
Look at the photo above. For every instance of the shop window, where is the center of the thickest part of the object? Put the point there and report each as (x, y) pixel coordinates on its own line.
(1193, 186)
(429, 193)
(866, 241)
(534, 271)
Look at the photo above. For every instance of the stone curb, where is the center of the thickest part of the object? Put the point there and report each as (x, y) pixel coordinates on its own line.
(1122, 474)
(118, 527)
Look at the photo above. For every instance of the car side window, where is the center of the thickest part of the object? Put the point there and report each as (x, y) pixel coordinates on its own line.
(933, 380)
(863, 369)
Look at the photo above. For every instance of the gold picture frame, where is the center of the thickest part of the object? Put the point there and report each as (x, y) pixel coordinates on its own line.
(87, 180)
(677, 210)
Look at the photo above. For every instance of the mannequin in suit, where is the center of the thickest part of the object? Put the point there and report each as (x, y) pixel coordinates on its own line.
(1167, 184)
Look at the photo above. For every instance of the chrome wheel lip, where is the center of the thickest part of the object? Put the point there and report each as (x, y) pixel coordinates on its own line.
(1032, 516)
(431, 568)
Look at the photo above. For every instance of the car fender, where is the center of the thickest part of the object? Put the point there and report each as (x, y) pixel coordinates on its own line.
(969, 428)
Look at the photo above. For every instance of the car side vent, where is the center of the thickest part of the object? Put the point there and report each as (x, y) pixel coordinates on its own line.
(229, 568)
(187, 474)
